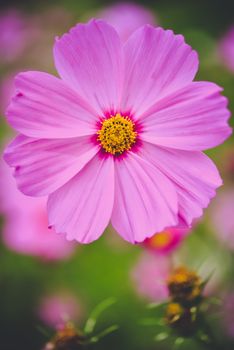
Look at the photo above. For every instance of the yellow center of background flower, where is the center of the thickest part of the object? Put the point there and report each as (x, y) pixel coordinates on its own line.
(160, 240)
(117, 134)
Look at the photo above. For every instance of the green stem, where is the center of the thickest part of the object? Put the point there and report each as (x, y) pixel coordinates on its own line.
(102, 334)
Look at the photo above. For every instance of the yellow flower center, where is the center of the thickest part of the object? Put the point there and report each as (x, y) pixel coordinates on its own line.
(182, 275)
(117, 134)
(160, 240)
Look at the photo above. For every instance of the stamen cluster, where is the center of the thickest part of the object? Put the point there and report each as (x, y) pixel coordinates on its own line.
(117, 134)
(67, 338)
(184, 285)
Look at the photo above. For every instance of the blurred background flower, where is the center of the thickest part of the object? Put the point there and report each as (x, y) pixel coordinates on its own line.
(55, 310)
(167, 241)
(226, 49)
(14, 35)
(25, 227)
(150, 275)
(127, 17)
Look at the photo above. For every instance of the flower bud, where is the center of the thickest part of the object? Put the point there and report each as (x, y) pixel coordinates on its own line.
(185, 286)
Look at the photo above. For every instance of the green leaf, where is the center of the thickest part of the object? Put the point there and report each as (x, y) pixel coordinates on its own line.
(43, 331)
(193, 311)
(155, 305)
(161, 336)
(204, 338)
(150, 321)
(204, 283)
(98, 310)
(178, 342)
(215, 301)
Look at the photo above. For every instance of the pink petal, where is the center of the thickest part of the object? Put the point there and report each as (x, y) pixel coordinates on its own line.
(193, 174)
(42, 166)
(44, 106)
(89, 58)
(83, 206)
(158, 62)
(193, 118)
(145, 200)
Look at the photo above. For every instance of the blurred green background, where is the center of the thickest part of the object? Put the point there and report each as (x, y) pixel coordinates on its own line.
(102, 269)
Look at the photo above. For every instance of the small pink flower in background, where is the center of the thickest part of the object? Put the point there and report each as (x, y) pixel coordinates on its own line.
(149, 277)
(13, 35)
(167, 241)
(57, 309)
(26, 227)
(226, 49)
(119, 137)
(127, 17)
(40, 32)
(222, 218)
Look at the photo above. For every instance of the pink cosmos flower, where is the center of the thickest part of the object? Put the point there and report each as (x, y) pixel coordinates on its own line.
(119, 136)
(222, 218)
(126, 18)
(13, 35)
(167, 241)
(226, 49)
(151, 272)
(55, 310)
(26, 227)
(149, 277)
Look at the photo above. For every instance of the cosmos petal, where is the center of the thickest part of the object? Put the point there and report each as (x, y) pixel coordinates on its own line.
(42, 166)
(45, 107)
(157, 62)
(193, 175)
(193, 118)
(145, 200)
(82, 207)
(89, 58)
